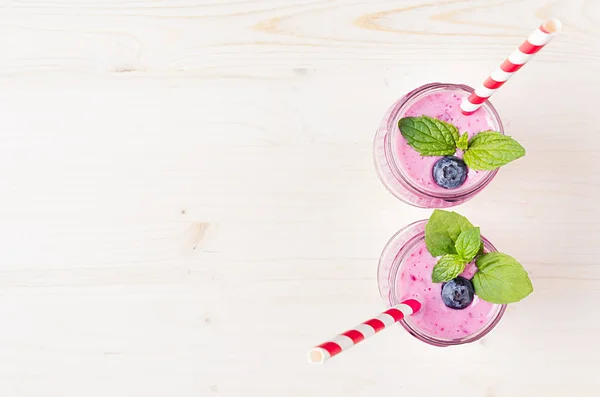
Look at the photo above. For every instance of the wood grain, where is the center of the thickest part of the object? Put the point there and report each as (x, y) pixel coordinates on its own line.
(188, 201)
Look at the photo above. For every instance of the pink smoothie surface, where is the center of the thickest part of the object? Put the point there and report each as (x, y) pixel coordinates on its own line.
(435, 318)
(445, 106)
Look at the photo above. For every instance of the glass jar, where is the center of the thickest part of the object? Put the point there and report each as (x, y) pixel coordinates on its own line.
(405, 173)
(471, 323)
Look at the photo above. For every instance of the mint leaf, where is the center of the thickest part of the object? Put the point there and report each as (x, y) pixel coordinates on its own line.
(429, 136)
(442, 231)
(489, 150)
(447, 268)
(463, 141)
(501, 279)
(468, 244)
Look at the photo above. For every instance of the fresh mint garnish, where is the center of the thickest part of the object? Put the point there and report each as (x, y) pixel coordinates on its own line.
(442, 231)
(499, 279)
(463, 141)
(429, 136)
(448, 267)
(487, 150)
(468, 244)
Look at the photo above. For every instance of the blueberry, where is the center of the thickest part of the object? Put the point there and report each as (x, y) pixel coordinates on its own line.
(458, 293)
(449, 172)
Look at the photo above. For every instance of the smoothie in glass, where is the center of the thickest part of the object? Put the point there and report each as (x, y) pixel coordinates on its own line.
(405, 272)
(407, 174)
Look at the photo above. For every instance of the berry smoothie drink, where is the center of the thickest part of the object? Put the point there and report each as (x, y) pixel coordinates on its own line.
(432, 181)
(451, 312)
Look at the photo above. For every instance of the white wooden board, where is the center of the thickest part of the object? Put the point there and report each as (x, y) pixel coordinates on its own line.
(188, 201)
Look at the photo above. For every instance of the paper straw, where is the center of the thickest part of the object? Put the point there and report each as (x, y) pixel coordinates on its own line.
(342, 342)
(535, 42)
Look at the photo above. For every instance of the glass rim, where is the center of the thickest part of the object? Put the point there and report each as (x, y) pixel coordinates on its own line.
(394, 131)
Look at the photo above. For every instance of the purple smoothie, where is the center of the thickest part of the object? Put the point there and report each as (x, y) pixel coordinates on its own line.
(435, 318)
(445, 106)
(404, 271)
(408, 175)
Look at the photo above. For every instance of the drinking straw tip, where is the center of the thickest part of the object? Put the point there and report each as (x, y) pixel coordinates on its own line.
(325, 351)
(541, 36)
(552, 26)
(316, 356)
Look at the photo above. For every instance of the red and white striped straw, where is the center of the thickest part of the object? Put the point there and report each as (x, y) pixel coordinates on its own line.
(535, 42)
(327, 350)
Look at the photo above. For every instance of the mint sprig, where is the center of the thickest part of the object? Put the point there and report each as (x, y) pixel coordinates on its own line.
(468, 244)
(488, 150)
(463, 141)
(429, 136)
(448, 267)
(442, 231)
(499, 279)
